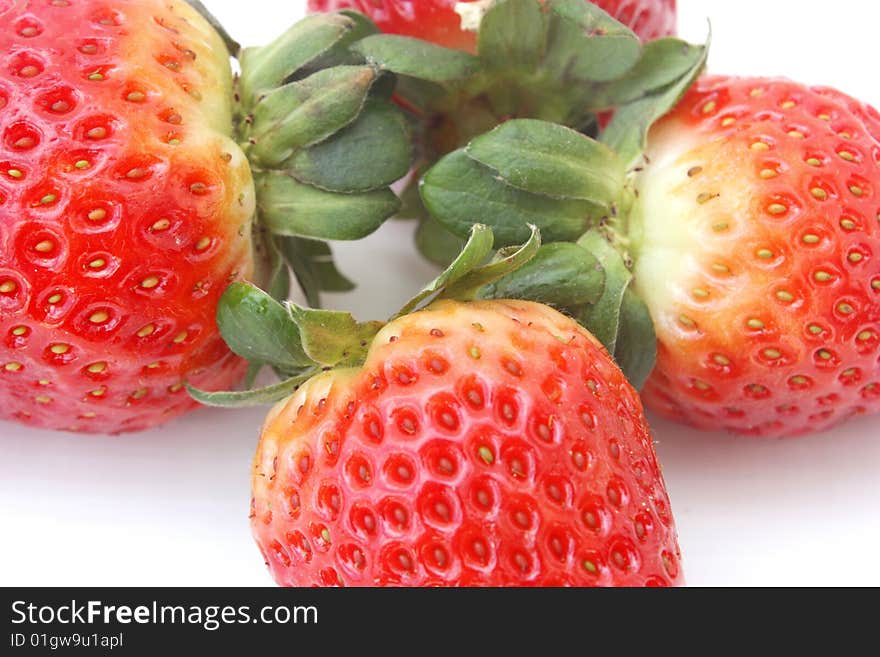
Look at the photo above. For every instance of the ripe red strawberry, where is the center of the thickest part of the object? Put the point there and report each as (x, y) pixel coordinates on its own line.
(126, 206)
(480, 443)
(125, 209)
(757, 242)
(439, 21)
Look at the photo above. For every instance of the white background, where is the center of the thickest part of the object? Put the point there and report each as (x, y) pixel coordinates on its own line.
(170, 506)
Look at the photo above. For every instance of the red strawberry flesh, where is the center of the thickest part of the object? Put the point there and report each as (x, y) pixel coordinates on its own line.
(489, 443)
(124, 212)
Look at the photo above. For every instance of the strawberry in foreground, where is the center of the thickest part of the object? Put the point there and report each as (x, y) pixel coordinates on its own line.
(468, 443)
(756, 239)
(449, 23)
(126, 205)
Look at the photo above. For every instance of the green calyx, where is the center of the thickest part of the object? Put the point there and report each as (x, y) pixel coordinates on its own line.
(564, 175)
(560, 61)
(508, 138)
(325, 143)
(298, 342)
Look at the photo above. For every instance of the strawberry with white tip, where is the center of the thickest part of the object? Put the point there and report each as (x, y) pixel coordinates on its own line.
(756, 238)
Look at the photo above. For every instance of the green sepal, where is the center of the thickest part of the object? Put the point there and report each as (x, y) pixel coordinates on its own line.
(470, 272)
(436, 243)
(333, 338)
(562, 274)
(636, 349)
(474, 253)
(416, 58)
(663, 62)
(550, 159)
(314, 269)
(253, 396)
(411, 206)
(279, 272)
(341, 53)
(268, 67)
(628, 131)
(372, 152)
(422, 97)
(603, 317)
(289, 207)
(302, 113)
(458, 191)
(253, 371)
(513, 35)
(586, 44)
(259, 328)
(508, 259)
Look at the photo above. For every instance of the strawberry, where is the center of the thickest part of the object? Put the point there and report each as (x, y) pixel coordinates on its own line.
(469, 443)
(757, 239)
(126, 205)
(440, 21)
(746, 222)
(486, 443)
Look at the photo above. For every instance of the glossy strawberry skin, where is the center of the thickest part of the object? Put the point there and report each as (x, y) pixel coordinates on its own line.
(124, 212)
(437, 21)
(758, 257)
(483, 443)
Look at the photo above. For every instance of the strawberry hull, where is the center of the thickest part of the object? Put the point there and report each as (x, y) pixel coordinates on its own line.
(125, 209)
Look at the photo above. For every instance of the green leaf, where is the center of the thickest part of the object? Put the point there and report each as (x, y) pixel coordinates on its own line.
(436, 243)
(333, 338)
(258, 328)
(474, 253)
(416, 58)
(270, 66)
(550, 159)
(507, 260)
(253, 397)
(250, 376)
(313, 266)
(512, 35)
(306, 112)
(636, 349)
(663, 62)
(562, 274)
(460, 192)
(603, 318)
(279, 273)
(584, 43)
(384, 87)
(372, 152)
(421, 96)
(469, 273)
(628, 131)
(289, 207)
(411, 206)
(341, 54)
